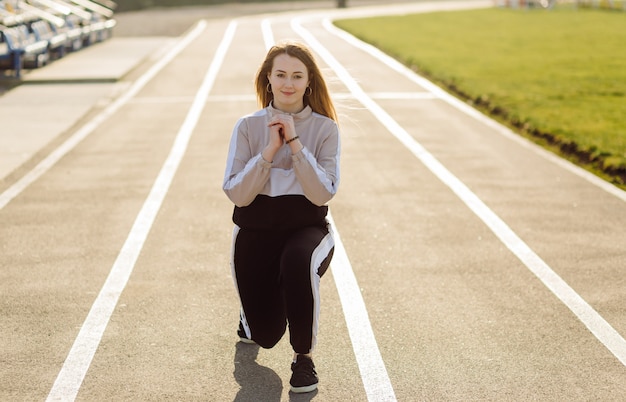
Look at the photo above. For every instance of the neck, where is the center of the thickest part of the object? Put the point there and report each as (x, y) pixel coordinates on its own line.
(297, 108)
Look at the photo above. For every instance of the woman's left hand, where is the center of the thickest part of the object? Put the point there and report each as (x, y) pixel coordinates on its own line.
(286, 125)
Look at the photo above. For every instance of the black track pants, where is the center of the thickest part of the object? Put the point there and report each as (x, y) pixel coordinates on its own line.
(277, 276)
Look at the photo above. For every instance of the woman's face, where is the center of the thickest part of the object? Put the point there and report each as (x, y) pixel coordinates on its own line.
(289, 79)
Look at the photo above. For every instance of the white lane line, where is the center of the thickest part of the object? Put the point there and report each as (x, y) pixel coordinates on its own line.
(470, 111)
(371, 365)
(268, 35)
(601, 329)
(154, 100)
(77, 363)
(45, 165)
(402, 95)
(252, 98)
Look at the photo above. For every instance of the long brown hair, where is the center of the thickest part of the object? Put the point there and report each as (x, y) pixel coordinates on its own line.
(319, 97)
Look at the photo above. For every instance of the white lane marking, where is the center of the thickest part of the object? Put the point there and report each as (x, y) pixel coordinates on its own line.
(468, 110)
(371, 365)
(148, 100)
(601, 329)
(252, 98)
(402, 95)
(45, 165)
(268, 35)
(77, 363)
(373, 371)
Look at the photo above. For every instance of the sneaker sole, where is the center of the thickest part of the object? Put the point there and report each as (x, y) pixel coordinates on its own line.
(302, 390)
(247, 341)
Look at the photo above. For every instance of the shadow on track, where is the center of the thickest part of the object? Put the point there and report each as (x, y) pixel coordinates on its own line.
(257, 382)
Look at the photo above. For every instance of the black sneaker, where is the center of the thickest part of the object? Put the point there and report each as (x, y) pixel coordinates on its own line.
(304, 377)
(242, 335)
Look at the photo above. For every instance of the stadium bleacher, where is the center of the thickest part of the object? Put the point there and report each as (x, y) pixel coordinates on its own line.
(36, 32)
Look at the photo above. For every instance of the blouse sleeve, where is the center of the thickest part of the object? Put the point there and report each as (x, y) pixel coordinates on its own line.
(246, 174)
(319, 174)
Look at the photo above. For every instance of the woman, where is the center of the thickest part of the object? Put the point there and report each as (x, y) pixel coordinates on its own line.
(282, 168)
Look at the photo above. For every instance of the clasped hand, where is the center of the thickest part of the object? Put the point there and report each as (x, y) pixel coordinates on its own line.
(282, 128)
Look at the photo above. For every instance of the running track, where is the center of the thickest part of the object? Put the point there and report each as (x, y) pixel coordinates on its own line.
(471, 264)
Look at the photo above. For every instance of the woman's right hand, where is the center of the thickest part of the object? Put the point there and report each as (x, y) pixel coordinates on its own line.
(275, 142)
(277, 135)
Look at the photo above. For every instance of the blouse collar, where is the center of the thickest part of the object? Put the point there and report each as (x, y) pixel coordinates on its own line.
(301, 115)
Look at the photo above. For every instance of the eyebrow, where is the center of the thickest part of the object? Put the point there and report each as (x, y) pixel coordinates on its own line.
(283, 71)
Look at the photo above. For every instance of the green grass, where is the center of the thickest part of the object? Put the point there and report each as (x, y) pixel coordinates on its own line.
(558, 76)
